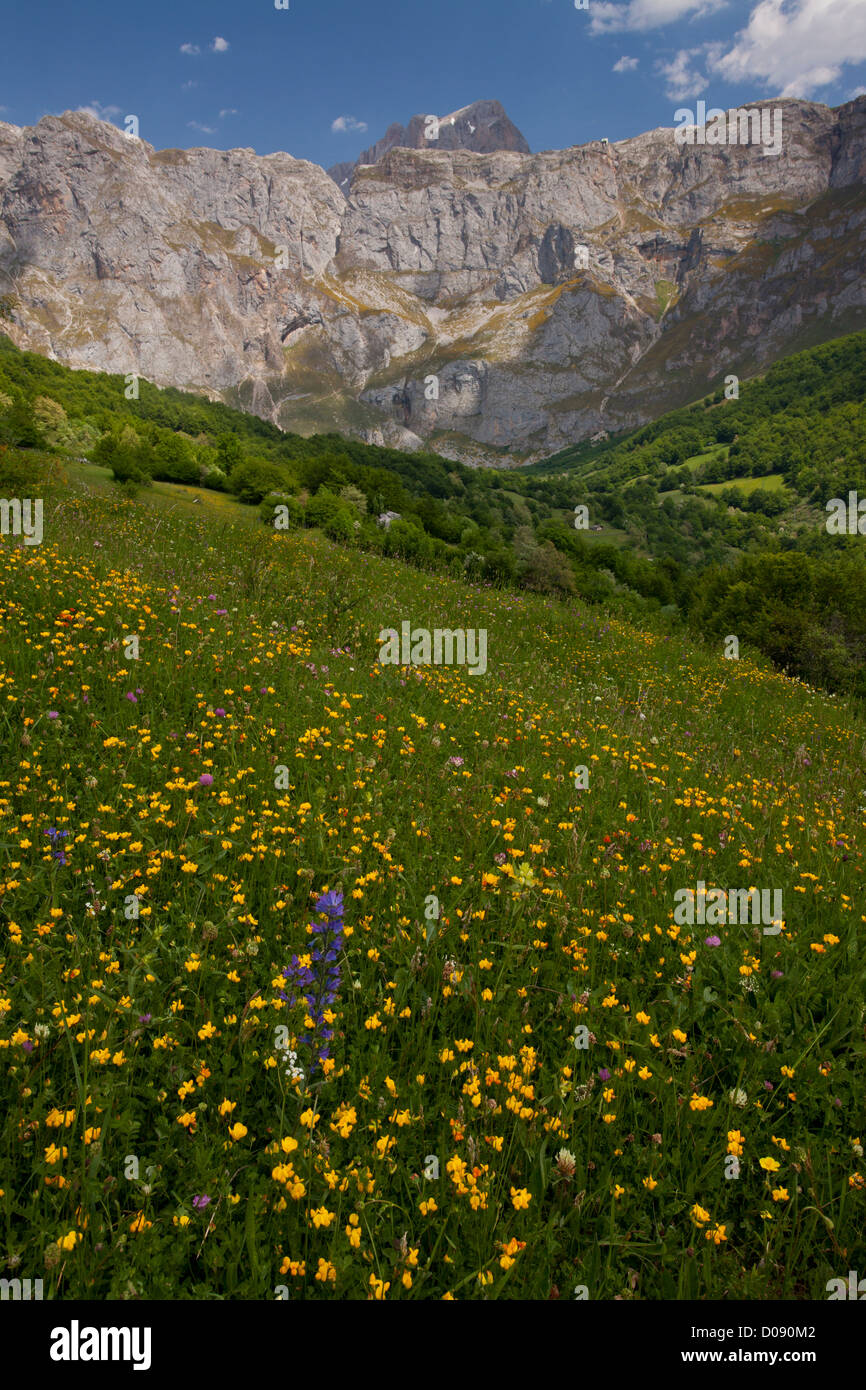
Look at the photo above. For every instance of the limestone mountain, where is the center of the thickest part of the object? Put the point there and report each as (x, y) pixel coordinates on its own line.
(482, 127)
(475, 300)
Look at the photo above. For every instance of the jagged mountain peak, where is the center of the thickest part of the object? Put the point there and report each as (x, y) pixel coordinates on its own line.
(482, 127)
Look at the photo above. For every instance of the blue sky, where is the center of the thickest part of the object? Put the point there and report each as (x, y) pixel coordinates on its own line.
(210, 72)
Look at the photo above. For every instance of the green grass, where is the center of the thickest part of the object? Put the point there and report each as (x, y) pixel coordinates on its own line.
(771, 482)
(706, 457)
(132, 1045)
(666, 295)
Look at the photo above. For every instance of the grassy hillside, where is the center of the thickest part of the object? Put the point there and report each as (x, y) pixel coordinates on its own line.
(713, 516)
(536, 1083)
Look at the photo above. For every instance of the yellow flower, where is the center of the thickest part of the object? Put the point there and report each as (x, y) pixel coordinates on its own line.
(736, 1141)
(700, 1102)
(68, 1242)
(520, 1198)
(237, 1131)
(770, 1165)
(699, 1215)
(322, 1217)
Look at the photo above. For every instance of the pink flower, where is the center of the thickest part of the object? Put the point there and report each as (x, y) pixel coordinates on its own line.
(205, 780)
(713, 941)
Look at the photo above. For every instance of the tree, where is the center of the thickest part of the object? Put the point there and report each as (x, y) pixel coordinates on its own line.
(355, 497)
(175, 459)
(548, 571)
(126, 454)
(230, 452)
(21, 427)
(253, 479)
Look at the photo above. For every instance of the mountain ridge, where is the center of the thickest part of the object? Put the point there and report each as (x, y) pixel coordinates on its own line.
(441, 302)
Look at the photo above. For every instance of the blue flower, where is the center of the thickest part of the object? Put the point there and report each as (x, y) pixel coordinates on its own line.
(318, 986)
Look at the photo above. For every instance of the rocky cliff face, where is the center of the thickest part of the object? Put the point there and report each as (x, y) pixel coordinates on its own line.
(475, 300)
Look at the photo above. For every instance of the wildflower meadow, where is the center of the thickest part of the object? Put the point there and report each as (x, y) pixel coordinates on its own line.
(323, 978)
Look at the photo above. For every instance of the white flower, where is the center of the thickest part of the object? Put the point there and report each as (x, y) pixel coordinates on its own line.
(739, 1098)
(293, 1071)
(566, 1162)
(41, 1030)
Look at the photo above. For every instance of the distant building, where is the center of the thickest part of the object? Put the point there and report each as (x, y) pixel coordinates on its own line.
(597, 438)
(387, 517)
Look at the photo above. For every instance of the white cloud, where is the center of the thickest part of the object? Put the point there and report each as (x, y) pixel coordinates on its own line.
(219, 45)
(796, 47)
(205, 129)
(625, 65)
(188, 86)
(344, 124)
(852, 95)
(100, 112)
(228, 111)
(190, 48)
(607, 18)
(682, 77)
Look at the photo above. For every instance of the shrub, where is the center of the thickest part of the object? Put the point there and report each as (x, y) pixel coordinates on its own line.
(294, 509)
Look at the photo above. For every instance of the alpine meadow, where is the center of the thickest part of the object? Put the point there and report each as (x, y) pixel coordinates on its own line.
(432, 672)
